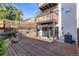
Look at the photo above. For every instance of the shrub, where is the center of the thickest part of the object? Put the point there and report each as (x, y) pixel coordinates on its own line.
(2, 45)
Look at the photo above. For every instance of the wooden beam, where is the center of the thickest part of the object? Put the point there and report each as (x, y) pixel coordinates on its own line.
(41, 9)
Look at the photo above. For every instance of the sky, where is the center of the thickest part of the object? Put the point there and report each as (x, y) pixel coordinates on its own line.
(29, 9)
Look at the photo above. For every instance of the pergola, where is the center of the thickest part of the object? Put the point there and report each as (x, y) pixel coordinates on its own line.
(47, 6)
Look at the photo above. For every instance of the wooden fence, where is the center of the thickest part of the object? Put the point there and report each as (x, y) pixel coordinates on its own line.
(9, 24)
(16, 24)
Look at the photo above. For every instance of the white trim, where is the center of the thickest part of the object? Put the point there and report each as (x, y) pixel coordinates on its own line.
(59, 22)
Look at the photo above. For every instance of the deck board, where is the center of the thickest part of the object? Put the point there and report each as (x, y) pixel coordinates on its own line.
(32, 47)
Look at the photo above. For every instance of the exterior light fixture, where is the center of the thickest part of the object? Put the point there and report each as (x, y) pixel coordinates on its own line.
(67, 10)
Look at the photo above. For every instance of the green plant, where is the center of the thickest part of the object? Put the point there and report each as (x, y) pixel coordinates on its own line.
(11, 12)
(2, 45)
(10, 35)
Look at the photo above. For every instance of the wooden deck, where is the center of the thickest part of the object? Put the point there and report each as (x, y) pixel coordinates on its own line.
(32, 47)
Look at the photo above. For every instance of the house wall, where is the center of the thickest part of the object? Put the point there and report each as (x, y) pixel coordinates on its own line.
(55, 17)
(47, 14)
(50, 16)
(68, 20)
(77, 15)
(40, 18)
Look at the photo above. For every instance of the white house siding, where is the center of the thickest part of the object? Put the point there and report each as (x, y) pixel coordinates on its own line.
(77, 15)
(68, 20)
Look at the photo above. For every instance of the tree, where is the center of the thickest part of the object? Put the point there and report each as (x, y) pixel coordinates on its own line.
(8, 11)
(18, 15)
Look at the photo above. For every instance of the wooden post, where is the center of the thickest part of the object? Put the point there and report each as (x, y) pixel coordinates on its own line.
(53, 30)
(19, 24)
(4, 25)
(36, 29)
